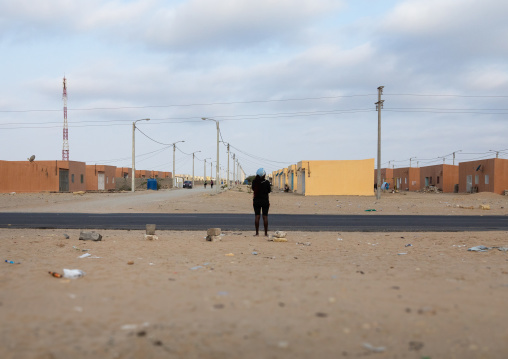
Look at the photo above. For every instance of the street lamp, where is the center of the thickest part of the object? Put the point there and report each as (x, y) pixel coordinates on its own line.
(134, 151)
(174, 148)
(217, 168)
(193, 167)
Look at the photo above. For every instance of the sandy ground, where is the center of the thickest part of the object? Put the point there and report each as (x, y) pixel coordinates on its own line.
(319, 295)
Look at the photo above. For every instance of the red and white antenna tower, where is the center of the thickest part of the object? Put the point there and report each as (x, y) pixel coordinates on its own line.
(65, 150)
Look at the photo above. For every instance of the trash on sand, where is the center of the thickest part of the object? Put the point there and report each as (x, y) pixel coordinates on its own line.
(151, 237)
(73, 273)
(478, 249)
(280, 234)
(85, 255)
(303, 243)
(55, 274)
(484, 206)
(130, 262)
(196, 267)
(277, 239)
(12, 262)
(339, 239)
(408, 245)
(79, 249)
(229, 255)
(502, 249)
(370, 210)
(255, 253)
(400, 254)
(373, 348)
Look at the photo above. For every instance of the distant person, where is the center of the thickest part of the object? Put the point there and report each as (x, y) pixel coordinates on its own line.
(261, 188)
(211, 184)
(286, 188)
(205, 184)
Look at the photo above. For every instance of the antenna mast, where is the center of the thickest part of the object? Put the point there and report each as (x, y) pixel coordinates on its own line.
(65, 150)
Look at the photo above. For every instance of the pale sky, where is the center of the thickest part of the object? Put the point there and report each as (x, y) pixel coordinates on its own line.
(288, 80)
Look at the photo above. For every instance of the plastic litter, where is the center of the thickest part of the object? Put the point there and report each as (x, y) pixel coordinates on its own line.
(55, 274)
(370, 210)
(196, 267)
(502, 249)
(73, 273)
(12, 262)
(373, 348)
(408, 245)
(400, 254)
(478, 249)
(85, 255)
(255, 253)
(280, 234)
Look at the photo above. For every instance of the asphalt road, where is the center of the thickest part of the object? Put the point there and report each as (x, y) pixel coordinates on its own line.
(242, 222)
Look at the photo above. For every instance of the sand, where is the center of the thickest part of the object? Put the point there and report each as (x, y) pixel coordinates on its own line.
(318, 295)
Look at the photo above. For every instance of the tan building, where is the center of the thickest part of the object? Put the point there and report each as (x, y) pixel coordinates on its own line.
(406, 179)
(348, 177)
(42, 176)
(100, 177)
(386, 176)
(490, 175)
(445, 177)
(123, 172)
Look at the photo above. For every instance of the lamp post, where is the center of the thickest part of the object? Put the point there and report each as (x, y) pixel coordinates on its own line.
(217, 167)
(134, 152)
(174, 150)
(193, 155)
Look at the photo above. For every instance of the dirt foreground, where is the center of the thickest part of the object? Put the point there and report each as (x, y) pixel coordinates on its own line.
(318, 295)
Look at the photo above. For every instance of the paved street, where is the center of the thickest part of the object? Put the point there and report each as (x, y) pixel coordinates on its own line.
(242, 222)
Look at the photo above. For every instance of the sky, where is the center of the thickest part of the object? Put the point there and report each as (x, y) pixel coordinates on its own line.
(287, 81)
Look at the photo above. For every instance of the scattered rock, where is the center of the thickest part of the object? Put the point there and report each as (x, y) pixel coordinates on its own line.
(151, 237)
(213, 234)
(90, 236)
(130, 262)
(484, 207)
(416, 346)
(280, 234)
(321, 315)
(150, 229)
(66, 236)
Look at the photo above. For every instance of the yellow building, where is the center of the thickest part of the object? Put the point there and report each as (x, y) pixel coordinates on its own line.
(280, 178)
(292, 178)
(339, 178)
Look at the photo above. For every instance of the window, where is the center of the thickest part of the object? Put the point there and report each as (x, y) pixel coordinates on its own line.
(107, 179)
(486, 179)
(82, 179)
(476, 179)
(437, 179)
(405, 180)
(113, 180)
(72, 178)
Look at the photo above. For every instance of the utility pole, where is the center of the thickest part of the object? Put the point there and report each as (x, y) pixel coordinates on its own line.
(379, 106)
(410, 161)
(227, 176)
(234, 172)
(454, 156)
(193, 155)
(174, 150)
(134, 153)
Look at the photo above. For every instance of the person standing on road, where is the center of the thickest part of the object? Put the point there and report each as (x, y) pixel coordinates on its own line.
(261, 188)
(205, 184)
(211, 184)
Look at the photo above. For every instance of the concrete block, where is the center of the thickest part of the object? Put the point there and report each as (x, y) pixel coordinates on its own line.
(213, 232)
(90, 236)
(150, 229)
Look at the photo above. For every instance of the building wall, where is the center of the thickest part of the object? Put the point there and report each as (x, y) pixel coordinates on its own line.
(292, 176)
(406, 179)
(386, 176)
(123, 172)
(495, 168)
(39, 176)
(349, 177)
(92, 175)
